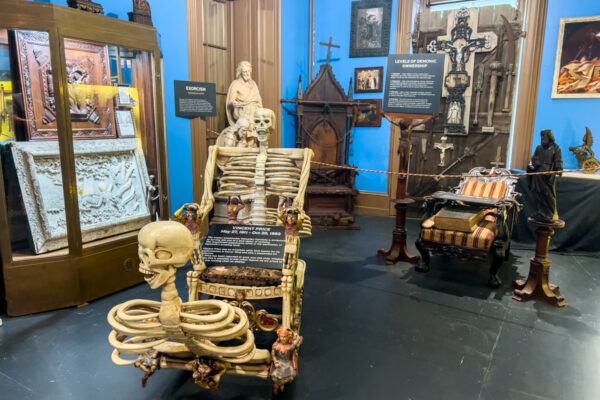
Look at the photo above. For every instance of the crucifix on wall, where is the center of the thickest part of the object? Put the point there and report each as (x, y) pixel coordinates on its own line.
(460, 45)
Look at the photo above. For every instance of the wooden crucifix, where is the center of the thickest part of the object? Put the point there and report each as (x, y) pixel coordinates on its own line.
(460, 45)
(329, 46)
(398, 250)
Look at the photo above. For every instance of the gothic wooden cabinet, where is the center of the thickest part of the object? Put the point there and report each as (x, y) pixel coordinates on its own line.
(325, 120)
(82, 151)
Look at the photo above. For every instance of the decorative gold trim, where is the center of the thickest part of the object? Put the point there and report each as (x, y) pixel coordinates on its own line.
(230, 291)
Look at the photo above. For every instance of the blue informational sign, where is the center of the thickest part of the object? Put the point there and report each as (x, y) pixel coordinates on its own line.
(413, 83)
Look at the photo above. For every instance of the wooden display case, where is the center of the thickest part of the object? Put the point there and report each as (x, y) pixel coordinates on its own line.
(63, 95)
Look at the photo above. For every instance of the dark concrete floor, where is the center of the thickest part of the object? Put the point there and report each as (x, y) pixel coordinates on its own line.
(371, 331)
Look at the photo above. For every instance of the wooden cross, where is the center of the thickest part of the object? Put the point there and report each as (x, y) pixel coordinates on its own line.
(498, 163)
(329, 46)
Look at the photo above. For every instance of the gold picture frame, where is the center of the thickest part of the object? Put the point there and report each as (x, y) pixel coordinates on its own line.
(577, 65)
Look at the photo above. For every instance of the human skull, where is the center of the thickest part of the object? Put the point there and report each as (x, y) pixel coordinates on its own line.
(163, 247)
(264, 121)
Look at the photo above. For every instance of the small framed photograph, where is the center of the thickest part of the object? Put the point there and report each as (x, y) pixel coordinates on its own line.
(369, 112)
(370, 28)
(123, 99)
(125, 123)
(577, 69)
(368, 79)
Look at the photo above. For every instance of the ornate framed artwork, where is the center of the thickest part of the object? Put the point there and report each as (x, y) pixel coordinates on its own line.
(115, 176)
(125, 123)
(88, 74)
(369, 113)
(123, 97)
(370, 28)
(367, 80)
(577, 69)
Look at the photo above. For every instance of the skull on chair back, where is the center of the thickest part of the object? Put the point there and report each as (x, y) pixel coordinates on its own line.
(264, 123)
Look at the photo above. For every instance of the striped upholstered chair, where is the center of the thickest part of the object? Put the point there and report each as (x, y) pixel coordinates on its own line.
(492, 192)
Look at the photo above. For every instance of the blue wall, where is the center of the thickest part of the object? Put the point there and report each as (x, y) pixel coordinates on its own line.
(371, 145)
(170, 20)
(295, 39)
(566, 117)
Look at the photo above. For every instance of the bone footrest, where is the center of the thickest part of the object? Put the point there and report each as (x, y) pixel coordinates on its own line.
(242, 276)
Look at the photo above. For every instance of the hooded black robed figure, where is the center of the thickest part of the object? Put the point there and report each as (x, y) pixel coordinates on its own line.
(547, 157)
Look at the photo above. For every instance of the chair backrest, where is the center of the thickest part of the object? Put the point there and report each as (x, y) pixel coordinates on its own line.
(497, 183)
(264, 180)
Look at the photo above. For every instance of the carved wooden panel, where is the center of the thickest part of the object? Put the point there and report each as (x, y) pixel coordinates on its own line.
(87, 65)
(111, 183)
(323, 141)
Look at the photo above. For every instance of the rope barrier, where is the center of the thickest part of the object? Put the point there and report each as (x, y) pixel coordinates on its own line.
(439, 176)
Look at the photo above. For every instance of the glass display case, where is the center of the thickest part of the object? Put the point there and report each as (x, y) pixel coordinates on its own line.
(82, 153)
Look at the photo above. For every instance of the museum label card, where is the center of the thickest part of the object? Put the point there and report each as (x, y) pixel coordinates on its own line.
(413, 83)
(195, 99)
(244, 246)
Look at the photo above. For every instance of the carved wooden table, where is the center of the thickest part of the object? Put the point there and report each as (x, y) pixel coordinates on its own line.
(537, 284)
(398, 250)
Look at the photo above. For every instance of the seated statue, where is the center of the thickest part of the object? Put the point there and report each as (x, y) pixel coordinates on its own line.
(243, 97)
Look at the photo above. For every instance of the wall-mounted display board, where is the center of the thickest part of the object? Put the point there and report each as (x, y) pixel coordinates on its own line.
(195, 99)
(480, 47)
(413, 83)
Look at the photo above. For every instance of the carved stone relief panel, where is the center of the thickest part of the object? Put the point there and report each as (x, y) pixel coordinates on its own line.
(90, 92)
(111, 187)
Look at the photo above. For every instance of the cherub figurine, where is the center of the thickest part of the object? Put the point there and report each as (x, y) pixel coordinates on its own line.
(207, 373)
(547, 157)
(191, 219)
(291, 218)
(284, 367)
(235, 204)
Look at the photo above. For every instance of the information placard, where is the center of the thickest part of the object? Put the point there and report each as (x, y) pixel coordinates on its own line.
(413, 83)
(244, 246)
(195, 99)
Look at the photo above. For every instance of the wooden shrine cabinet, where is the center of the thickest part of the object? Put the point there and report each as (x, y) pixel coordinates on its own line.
(82, 153)
(325, 119)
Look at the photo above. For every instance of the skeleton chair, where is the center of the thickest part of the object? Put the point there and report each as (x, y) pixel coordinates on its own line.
(215, 336)
(493, 192)
(269, 182)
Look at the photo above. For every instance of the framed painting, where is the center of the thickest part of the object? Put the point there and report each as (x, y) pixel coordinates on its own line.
(368, 79)
(369, 112)
(370, 28)
(577, 68)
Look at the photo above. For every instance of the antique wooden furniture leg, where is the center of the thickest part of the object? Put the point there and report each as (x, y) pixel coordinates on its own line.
(537, 284)
(398, 250)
